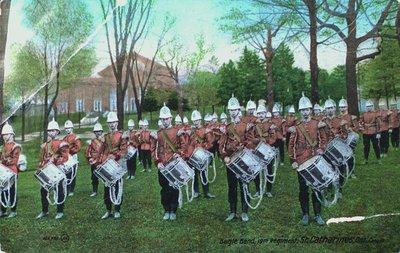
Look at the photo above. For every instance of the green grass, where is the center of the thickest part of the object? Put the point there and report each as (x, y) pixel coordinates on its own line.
(200, 226)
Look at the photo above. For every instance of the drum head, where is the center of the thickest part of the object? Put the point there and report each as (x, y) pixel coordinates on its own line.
(307, 163)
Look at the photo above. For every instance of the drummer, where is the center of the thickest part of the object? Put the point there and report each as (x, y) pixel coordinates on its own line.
(264, 132)
(9, 157)
(250, 110)
(290, 121)
(384, 115)
(169, 141)
(370, 126)
(348, 123)
(280, 131)
(133, 143)
(237, 135)
(305, 142)
(394, 124)
(144, 141)
(202, 138)
(94, 153)
(57, 152)
(317, 112)
(74, 143)
(115, 148)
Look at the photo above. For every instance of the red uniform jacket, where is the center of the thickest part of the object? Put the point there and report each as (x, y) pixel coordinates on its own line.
(280, 129)
(331, 128)
(351, 125)
(370, 123)
(56, 151)
(249, 119)
(94, 152)
(235, 137)
(199, 138)
(384, 119)
(115, 144)
(144, 140)
(162, 150)
(300, 149)
(263, 132)
(10, 155)
(394, 121)
(74, 143)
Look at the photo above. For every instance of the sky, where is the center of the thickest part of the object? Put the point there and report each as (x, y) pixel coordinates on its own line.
(192, 18)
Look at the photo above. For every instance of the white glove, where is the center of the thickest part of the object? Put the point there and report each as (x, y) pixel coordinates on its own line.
(390, 130)
(378, 136)
(321, 124)
(222, 129)
(227, 159)
(291, 129)
(273, 126)
(295, 165)
(160, 165)
(249, 126)
(188, 132)
(153, 134)
(343, 122)
(180, 132)
(208, 130)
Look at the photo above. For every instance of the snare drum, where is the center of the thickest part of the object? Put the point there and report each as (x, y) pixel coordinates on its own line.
(110, 172)
(177, 172)
(337, 152)
(265, 153)
(69, 164)
(200, 159)
(49, 176)
(131, 152)
(7, 177)
(245, 165)
(318, 173)
(352, 139)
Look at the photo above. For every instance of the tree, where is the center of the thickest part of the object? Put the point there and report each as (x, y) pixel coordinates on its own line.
(180, 60)
(380, 77)
(201, 90)
(229, 81)
(130, 23)
(353, 15)
(149, 103)
(333, 84)
(257, 26)
(4, 16)
(60, 27)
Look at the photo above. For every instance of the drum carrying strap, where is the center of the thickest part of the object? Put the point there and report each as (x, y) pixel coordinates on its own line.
(168, 140)
(235, 134)
(199, 140)
(307, 136)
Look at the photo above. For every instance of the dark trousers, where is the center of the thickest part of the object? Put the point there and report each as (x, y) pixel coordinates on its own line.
(107, 198)
(279, 144)
(45, 202)
(395, 137)
(350, 164)
(269, 185)
(146, 159)
(196, 181)
(232, 192)
(384, 142)
(95, 179)
(11, 194)
(169, 195)
(304, 197)
(139, 153)
(71, 186)
(131, 165)
(367, 138)
(287, 139)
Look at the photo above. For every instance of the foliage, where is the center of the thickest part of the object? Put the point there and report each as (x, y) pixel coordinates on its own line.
(229, 77)
(150, 101)
(201, 89)
(333, 84)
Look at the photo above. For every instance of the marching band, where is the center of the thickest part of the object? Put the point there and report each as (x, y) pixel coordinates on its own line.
(320, 148)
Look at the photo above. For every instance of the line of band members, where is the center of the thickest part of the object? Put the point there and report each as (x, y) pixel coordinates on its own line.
(218, 137)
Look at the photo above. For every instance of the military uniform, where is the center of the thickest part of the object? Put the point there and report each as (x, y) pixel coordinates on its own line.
(94, 153)
(370, 126)
(144, 141)
(394, 124)
(384, 116)
(131, 162)
(280, 132)
(9, 158)
(75, 146)
(300, 150)
(57, 152)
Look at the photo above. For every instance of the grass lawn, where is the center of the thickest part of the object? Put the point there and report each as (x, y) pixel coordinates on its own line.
(200, 226)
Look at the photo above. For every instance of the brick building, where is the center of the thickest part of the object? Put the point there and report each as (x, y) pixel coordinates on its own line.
(98, 93)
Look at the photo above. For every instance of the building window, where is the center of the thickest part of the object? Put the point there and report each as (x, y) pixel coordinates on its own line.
(113, 100)
(80, 105)
(97, 105)
(64, 107)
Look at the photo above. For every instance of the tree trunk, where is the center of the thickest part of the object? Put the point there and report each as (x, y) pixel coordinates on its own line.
(351, 60)
(268, 54)
(180, 100)
(5, 11)
(312, 10)
(45, 115)
(120, 107)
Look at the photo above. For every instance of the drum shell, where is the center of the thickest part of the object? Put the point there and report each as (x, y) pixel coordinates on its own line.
(131, 152)
(7, 177)
(49, 176)
(177, 172)
(245, 165)
(200, 159)
(110, 172)
(265, 153)
(337, 152)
